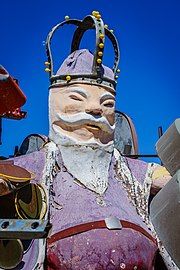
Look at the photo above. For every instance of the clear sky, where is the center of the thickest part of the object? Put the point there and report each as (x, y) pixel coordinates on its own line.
(149, 84)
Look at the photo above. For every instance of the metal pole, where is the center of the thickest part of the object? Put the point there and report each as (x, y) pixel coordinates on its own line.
(0, 130)
(160, 131)
(140, 156)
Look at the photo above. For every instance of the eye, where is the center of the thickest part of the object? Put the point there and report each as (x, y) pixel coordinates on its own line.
(74, 97)
(108, 104)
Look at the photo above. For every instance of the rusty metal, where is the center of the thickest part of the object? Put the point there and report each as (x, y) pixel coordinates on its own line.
(15, 114)
(33, 142)
(127, 149)
(125, 137)
(11, 96)
(11, 99)
(0, 130)
(15, 173)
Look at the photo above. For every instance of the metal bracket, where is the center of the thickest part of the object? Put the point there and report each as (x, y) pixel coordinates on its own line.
(113, 223)
(24, 228)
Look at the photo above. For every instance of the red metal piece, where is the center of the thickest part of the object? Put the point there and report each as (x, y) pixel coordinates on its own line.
(16, 114)
(11, 96)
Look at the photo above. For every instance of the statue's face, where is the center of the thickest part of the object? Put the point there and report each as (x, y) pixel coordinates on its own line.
(83, 112)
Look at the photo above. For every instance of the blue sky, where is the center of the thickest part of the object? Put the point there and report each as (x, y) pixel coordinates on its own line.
(149, 83)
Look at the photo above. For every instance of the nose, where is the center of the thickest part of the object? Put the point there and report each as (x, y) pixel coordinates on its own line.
(94, 111)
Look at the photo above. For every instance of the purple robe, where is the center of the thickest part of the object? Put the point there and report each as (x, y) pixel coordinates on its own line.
(72, 204)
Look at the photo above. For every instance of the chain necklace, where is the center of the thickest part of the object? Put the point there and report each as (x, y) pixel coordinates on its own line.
(138, 194)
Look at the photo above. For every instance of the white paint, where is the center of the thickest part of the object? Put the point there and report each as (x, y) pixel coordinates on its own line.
(96, 161)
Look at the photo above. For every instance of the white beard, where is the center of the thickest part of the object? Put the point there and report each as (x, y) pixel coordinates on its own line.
(87, 161)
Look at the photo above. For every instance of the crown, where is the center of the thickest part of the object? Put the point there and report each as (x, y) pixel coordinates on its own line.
(96, 73)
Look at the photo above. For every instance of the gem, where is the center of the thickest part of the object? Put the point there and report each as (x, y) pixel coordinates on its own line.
(118, 70)
(68, 78)
(99, 61)
(111, 31)
(47, 70)
(98, 16)
(105, 26)
(66, 17)
(100, 54)
(100, 201)
(122, 265)
(47, 63)
(101, 45)
(95, 13)
(116, 77)
(101, 35)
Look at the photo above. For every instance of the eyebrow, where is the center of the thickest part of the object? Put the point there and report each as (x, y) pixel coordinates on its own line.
(107, 96)
(78, 90)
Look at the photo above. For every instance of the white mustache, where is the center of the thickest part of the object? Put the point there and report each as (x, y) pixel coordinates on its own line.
(84, 118)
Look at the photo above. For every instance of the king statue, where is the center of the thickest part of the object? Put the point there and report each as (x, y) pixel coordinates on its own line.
(95, 199)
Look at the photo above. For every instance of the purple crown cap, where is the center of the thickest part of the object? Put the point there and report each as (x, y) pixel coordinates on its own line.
(81, 62)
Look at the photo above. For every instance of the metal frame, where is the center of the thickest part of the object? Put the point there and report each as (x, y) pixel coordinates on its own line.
(89, 22)
(24, 228)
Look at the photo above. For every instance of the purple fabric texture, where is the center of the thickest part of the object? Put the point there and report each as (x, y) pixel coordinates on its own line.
(73, 204)
(138, 168)
(30, 256)
(76, 204)
(81, 62)
(34, 163)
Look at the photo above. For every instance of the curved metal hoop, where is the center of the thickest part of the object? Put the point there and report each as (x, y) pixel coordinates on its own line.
(48, 42)
(79, 32)
(115, 44)
(90, 22)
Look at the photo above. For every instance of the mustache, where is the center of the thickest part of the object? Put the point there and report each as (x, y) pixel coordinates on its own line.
(83, 119)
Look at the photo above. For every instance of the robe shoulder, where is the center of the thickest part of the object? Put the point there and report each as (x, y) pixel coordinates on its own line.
(33, 162)
(138, 169)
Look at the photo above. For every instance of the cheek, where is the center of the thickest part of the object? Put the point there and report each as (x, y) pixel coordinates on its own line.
(110, 115)
(73, 108)
(69, 107)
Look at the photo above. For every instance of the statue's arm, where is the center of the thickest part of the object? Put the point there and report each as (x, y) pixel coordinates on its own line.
(160, 177)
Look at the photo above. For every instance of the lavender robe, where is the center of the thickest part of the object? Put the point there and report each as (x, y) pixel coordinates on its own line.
(72, 204)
